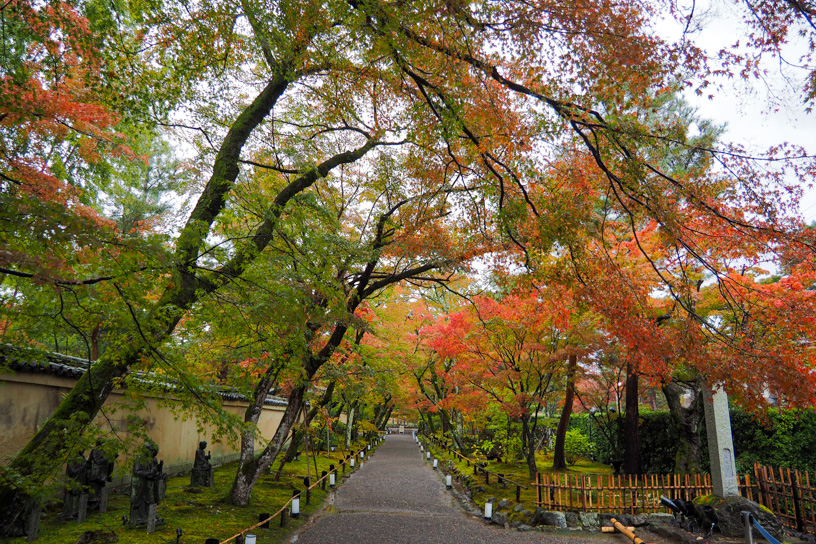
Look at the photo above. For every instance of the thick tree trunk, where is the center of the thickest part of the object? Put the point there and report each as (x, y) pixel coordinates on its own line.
(48, 449)
(299, 432)
(685, 401)
(352, 412)
(631, 446)
(385, 418)
(430, 423)
(559, 459)
(529, 446)
(95, 343)
(253, 414)
(443, 417)
(249, 468)
(382, 412)
(447, 422)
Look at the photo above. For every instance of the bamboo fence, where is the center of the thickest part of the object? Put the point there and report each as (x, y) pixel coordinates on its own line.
(790, 494)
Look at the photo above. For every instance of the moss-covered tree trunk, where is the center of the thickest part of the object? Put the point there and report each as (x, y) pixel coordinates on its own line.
(48, 449)
(350, 420)
(685, 400)
(529, 446)
(251, 468)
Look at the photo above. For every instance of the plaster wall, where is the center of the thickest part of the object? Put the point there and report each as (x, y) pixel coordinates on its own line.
(27, 400)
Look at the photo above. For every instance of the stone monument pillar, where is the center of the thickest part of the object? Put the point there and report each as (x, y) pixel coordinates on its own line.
(720, 443)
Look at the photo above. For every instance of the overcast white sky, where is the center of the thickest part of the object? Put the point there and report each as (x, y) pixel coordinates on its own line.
(769, 112)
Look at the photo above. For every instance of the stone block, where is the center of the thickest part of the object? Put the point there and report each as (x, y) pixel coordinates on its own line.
(554, 519)
(32, 522)
(82, 512)
(572, 519)
(504, 504)
(729, 513)
(152, 519)
(499, 518)
(638, 520)
(588, 519)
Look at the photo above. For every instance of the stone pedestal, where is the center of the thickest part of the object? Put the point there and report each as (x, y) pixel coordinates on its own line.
(104, 495)
(720, 444)
(82, 513)
(33, 523)
(152, 520)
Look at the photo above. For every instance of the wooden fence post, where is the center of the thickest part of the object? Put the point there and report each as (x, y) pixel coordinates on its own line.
(797, 504)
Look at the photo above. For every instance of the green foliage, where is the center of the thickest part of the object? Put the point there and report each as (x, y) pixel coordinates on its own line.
(786, 438)
(576, 445)
(658, 443)
(604, 431)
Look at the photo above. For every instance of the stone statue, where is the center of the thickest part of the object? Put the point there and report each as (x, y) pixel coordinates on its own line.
(202, 469)
(99, 473)
(147, 485)
(77, 480)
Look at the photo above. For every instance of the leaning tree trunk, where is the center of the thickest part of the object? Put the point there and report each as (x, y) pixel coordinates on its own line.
(300, 431)
(80, 406)
(250, 468)
(529, 445)
(291, 451)
(685, 401)
(631, 446)
(385, 418)
(559, 459)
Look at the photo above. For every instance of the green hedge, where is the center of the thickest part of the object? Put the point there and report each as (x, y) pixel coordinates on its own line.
(786, 439)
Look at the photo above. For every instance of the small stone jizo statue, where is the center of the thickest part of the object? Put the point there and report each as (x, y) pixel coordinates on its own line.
(202, 469)
(100, 469)
(147, 485)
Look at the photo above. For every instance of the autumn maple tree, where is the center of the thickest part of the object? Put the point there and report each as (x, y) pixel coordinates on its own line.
(397, 141)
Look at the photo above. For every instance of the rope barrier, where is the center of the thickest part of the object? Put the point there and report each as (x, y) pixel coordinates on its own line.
(283, 508)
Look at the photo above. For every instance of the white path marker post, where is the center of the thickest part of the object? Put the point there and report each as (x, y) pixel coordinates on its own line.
(720, 443)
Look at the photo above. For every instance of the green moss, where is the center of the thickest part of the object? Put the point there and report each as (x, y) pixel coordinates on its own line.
(201, 514)
(512, 470)
(707, 500)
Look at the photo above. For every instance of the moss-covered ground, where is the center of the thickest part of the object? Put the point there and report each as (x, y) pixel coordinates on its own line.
(515, 470)
(203, 513)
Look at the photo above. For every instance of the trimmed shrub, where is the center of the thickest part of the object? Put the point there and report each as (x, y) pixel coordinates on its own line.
(786, 438)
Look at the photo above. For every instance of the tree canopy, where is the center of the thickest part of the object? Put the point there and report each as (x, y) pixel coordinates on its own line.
(186, 187)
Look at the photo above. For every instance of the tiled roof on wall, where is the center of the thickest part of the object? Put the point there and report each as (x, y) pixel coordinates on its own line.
(33, 361)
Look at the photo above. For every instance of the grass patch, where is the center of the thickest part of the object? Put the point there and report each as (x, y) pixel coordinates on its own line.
(203, 514)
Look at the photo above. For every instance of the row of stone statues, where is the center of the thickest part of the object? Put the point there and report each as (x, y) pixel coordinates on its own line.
(91, 474)
(87, 479)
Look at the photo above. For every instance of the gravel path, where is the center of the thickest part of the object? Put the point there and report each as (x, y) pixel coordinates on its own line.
(396, 498)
